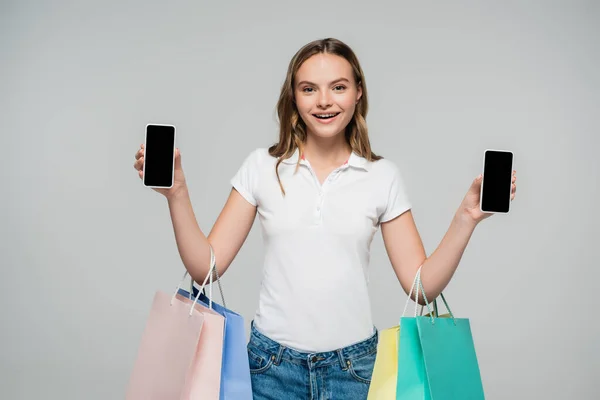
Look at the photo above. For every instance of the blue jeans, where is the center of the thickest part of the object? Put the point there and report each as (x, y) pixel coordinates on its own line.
(280, 373)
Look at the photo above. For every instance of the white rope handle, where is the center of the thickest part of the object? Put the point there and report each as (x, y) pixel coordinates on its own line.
(417, 281)
(208, 276)
(418, 284)
(417, 277)
(216, 271)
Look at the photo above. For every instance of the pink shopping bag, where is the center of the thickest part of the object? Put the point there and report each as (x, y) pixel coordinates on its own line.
(180, 354)
(205, 382)
(167, 350)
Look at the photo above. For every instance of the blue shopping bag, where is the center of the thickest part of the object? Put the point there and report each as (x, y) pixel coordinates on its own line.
(436, 357)
(235, 370)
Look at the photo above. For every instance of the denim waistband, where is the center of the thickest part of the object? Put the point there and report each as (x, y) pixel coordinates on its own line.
(343, 355)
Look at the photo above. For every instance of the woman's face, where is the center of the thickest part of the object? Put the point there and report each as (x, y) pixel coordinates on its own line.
(326, 94)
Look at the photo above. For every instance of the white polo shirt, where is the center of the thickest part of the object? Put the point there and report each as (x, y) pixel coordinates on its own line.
(317, 246)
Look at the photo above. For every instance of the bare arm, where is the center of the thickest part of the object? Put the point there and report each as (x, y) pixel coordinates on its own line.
(226, 237)
(406, 252)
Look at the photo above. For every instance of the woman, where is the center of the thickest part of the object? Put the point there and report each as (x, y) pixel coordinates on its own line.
(321, 194)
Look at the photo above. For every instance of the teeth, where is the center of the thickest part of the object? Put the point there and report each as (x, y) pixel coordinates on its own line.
(325, 115)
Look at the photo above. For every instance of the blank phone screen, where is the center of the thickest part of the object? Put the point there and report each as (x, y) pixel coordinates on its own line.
(497, 181)
(159, 154)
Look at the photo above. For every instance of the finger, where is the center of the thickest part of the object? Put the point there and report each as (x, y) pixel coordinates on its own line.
(177, 159)
(139, 164)
(139, 153)
(141, 174)
(514, 188)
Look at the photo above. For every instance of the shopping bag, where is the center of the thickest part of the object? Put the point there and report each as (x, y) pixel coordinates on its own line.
(385, 371)
(437, 357)
(167, 349)
(205, 382)
(235, 371)
(179, 356)
(235, 374)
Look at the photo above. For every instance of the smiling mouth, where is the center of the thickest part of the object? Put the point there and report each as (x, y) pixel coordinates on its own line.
(326, 116)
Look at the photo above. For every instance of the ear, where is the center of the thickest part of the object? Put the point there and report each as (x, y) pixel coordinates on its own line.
(359, 92)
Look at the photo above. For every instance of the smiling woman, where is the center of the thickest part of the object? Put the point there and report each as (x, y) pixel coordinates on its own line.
(319, 217)
(325, 101)
(312, 335)
(324, 94)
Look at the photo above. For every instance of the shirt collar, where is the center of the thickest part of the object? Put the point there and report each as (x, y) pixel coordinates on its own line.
(355, 160)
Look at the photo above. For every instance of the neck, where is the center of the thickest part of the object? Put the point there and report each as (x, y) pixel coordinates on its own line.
(327, 151)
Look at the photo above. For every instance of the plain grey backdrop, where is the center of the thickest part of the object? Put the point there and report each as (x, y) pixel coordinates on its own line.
(84, 245)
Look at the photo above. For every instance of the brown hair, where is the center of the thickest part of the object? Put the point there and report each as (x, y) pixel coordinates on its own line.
(292, 129)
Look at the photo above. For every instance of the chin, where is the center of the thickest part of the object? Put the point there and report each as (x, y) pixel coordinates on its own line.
(318, 131)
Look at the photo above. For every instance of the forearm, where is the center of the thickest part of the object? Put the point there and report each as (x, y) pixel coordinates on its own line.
(438, 269)
(192, 243)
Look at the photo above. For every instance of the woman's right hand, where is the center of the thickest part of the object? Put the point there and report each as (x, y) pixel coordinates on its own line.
(179, 184)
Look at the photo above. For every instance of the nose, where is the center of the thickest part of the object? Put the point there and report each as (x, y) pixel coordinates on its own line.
(324, 100)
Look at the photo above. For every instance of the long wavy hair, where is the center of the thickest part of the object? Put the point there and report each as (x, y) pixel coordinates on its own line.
(292, 129)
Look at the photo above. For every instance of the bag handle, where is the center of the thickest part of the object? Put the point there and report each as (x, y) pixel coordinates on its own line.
(209, 275)
(415, 280)
(431, 315)
(216, 272)
(419, 287)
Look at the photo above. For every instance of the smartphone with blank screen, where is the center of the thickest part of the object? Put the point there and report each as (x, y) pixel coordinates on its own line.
(159, 156)
(496, 186)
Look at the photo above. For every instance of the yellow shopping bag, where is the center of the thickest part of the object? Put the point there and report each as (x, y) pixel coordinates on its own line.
(385, 371)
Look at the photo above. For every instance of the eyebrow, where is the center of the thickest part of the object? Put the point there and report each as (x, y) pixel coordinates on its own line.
(331, 83)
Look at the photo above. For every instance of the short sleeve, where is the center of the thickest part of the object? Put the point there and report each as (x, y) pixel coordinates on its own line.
(245, 179)
(397, 199)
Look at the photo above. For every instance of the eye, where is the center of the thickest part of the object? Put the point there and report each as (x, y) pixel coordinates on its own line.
(340, 87)
(307, 88)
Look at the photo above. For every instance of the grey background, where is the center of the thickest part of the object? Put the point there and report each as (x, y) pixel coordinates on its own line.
(84, 245)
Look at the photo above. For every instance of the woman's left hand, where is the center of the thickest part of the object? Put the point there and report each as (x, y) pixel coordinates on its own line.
(470, 205)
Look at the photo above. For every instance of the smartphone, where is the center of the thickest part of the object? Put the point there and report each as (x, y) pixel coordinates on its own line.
(159, 156)
(496, 186)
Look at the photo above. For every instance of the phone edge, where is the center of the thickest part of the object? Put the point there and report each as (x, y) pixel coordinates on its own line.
(512, 161)
(172, 167)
